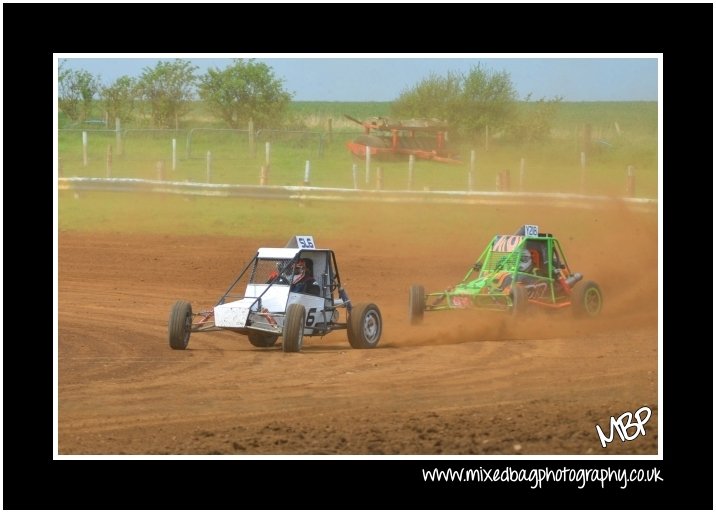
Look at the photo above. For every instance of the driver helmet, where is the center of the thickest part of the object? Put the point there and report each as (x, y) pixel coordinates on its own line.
(299, 270)
(525, 260)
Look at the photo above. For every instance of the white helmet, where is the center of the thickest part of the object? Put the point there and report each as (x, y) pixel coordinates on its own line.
(525, 260)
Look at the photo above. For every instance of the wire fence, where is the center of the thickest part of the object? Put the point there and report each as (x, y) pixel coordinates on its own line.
(322, 159)
(199, 154)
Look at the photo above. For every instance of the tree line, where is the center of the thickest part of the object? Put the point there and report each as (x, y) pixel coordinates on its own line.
(244, 90)
(247, 89)
(472, 101)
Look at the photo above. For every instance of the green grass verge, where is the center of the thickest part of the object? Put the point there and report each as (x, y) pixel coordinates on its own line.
(191, 215)
(277, 220)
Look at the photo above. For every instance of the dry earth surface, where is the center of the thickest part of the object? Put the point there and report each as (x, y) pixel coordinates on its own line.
(462, 383)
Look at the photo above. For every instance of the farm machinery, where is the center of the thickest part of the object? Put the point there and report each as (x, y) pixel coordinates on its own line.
(386, 138)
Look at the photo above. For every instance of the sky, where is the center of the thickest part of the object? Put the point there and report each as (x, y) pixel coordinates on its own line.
(330, 77)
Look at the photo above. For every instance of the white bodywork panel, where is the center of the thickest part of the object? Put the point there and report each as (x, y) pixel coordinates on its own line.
(234, 314)
(274, 300)
(314, 309)
(281, 253)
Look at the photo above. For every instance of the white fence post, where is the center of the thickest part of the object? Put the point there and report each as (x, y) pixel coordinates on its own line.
(118, 135)
(307, 173)
(252, 146)
(84, 148)
(631, 182)
(109, 161)
(263, 176)
(367, 164)
(471, 174)
(208, 167)
(355, 176)
(411, 168)
(174, 154)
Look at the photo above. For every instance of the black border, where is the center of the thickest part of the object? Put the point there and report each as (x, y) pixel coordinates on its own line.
(32, 480)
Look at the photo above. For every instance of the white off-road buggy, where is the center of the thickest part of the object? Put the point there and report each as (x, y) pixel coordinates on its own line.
(288, 292)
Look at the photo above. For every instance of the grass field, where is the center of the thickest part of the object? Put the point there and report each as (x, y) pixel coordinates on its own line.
(623, 134)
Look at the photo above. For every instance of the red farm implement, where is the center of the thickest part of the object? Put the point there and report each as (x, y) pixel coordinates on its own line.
(424, 138)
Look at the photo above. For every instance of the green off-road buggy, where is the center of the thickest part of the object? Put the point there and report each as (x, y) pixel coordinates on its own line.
(513, 273)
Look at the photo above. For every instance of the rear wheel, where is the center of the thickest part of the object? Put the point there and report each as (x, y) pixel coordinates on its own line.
(416, 304)
(293, 328)
(586, 299)
(262, 339)
(180, 325)
(365, 326)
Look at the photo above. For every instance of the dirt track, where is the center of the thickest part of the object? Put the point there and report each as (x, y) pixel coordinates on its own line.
(463, 383)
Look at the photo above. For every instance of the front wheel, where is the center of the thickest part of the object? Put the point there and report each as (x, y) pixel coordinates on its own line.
(365, 326)
(293, 328)
(586, 299)
(180, 325)
(416, 304)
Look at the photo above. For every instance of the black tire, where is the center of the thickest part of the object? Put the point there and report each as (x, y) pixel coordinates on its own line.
(371, 140)
(365, 326)
(416, 304)
(262, 339)
(180, 325)
(293, 328)
(519, 300)
(587, 299)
